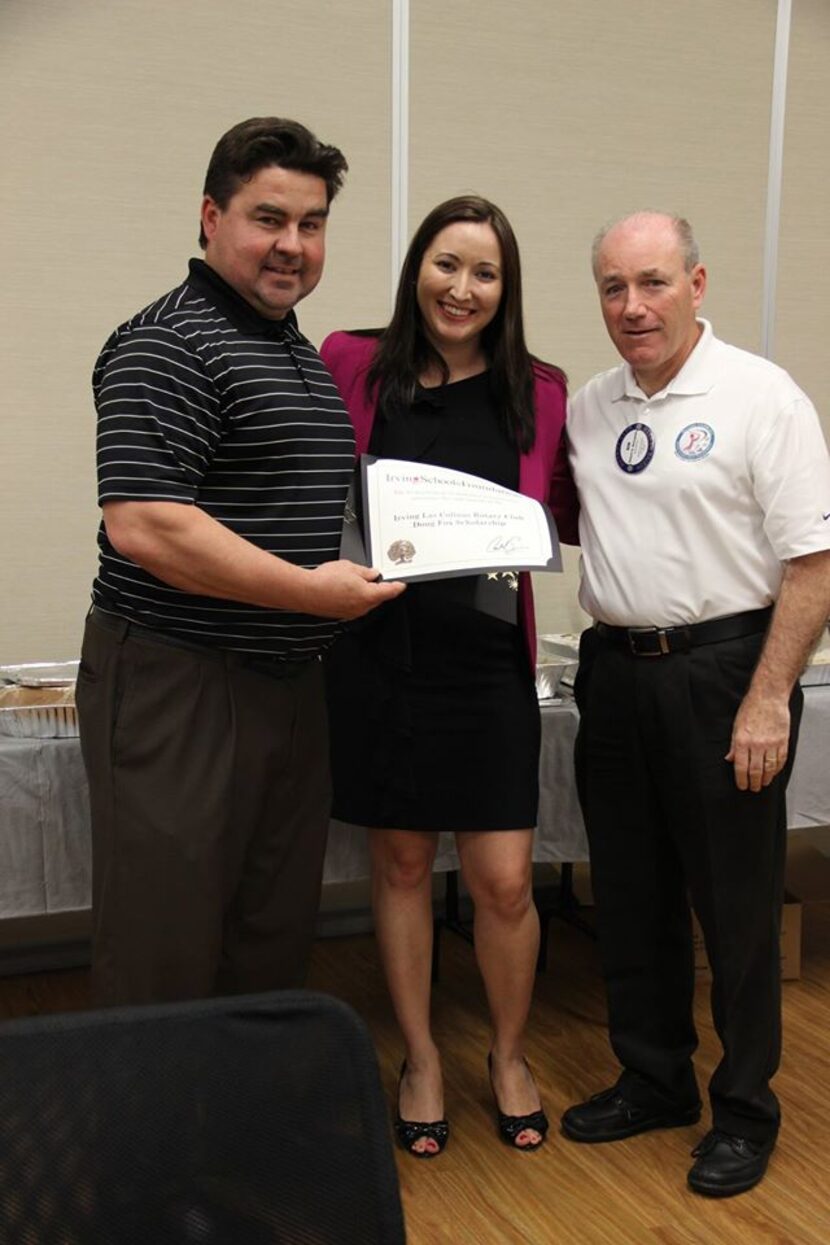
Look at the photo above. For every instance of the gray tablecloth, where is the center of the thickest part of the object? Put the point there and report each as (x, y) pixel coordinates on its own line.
(44, 811)
(44, 827)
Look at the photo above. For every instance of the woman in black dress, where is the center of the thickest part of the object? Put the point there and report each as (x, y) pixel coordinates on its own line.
(434, 718)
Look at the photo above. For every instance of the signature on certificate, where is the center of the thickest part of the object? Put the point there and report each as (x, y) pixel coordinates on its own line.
(506, 544)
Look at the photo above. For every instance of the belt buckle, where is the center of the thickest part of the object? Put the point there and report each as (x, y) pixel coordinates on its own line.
(662, 649)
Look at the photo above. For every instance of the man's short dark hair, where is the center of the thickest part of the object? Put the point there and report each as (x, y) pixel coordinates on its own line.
(261, 142)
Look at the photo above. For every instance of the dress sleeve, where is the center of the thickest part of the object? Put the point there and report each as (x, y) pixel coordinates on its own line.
(563, 498)
(348, 357)
(330, 352)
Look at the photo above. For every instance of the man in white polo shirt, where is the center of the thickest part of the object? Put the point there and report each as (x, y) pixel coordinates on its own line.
(704, 482)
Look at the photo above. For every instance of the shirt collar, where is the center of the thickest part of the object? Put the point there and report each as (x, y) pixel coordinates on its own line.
(697, 374)
(238, 310)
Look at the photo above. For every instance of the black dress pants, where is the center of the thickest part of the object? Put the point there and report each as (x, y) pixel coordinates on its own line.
(210, 797)
(666, 823)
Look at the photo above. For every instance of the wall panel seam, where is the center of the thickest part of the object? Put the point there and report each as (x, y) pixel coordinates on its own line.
(400, 139)
(775, 174)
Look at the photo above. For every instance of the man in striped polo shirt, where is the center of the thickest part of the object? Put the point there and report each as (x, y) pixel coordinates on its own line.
(224, 459)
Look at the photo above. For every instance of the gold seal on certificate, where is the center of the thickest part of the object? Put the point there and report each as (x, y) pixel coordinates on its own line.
(425, 522)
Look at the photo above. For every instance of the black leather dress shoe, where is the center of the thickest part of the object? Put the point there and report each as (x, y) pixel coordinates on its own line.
(726, 1165)
(608, 1116)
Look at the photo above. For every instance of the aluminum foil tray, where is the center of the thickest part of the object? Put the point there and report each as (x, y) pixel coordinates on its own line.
(556, 665)
(41, 674)
(38, 712)
(558, 646)
(553, 678)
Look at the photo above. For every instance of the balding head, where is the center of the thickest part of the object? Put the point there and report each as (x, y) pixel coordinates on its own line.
(677, 224)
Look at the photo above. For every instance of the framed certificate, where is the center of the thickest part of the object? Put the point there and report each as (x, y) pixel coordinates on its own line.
(425, 522)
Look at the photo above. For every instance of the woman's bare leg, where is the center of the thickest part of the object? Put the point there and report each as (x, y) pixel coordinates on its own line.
(402, 904)
(497, 869)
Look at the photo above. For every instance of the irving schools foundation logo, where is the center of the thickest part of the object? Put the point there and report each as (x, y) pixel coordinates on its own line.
(694, 442)
(400, 552)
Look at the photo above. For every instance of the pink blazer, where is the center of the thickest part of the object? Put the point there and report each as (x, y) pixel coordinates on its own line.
(544, 473)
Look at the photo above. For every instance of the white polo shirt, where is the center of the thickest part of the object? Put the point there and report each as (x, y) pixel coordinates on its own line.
(692, 498)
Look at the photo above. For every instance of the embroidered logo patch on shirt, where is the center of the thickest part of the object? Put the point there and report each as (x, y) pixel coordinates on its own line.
(694, 442)
(635, 448)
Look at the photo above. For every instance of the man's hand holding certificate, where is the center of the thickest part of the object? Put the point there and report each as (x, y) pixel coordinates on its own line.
(425, 522)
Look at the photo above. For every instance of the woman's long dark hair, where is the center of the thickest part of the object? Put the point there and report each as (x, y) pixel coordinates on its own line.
(405, 353)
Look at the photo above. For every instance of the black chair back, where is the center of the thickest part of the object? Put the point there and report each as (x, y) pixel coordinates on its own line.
(255, 1120)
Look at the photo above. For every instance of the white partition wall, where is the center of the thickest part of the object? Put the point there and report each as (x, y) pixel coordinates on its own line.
(565, 114)
(801, 334)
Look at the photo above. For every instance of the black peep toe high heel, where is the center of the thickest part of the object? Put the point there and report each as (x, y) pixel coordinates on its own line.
(408, 1132)
(510, 1126)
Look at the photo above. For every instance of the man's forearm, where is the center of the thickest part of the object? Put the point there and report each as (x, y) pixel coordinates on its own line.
(186, 548)
(800, 614)
(760, 734)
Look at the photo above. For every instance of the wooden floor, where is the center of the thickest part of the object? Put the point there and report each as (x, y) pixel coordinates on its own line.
(631, 1193)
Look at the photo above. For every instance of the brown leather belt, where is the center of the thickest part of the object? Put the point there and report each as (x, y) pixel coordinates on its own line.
(662, 641)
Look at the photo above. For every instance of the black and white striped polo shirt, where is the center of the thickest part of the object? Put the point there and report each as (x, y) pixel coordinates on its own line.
(202, 401)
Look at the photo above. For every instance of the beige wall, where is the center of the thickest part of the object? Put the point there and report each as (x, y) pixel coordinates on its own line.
(117, 105)
(580, 114)
(565, 114)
